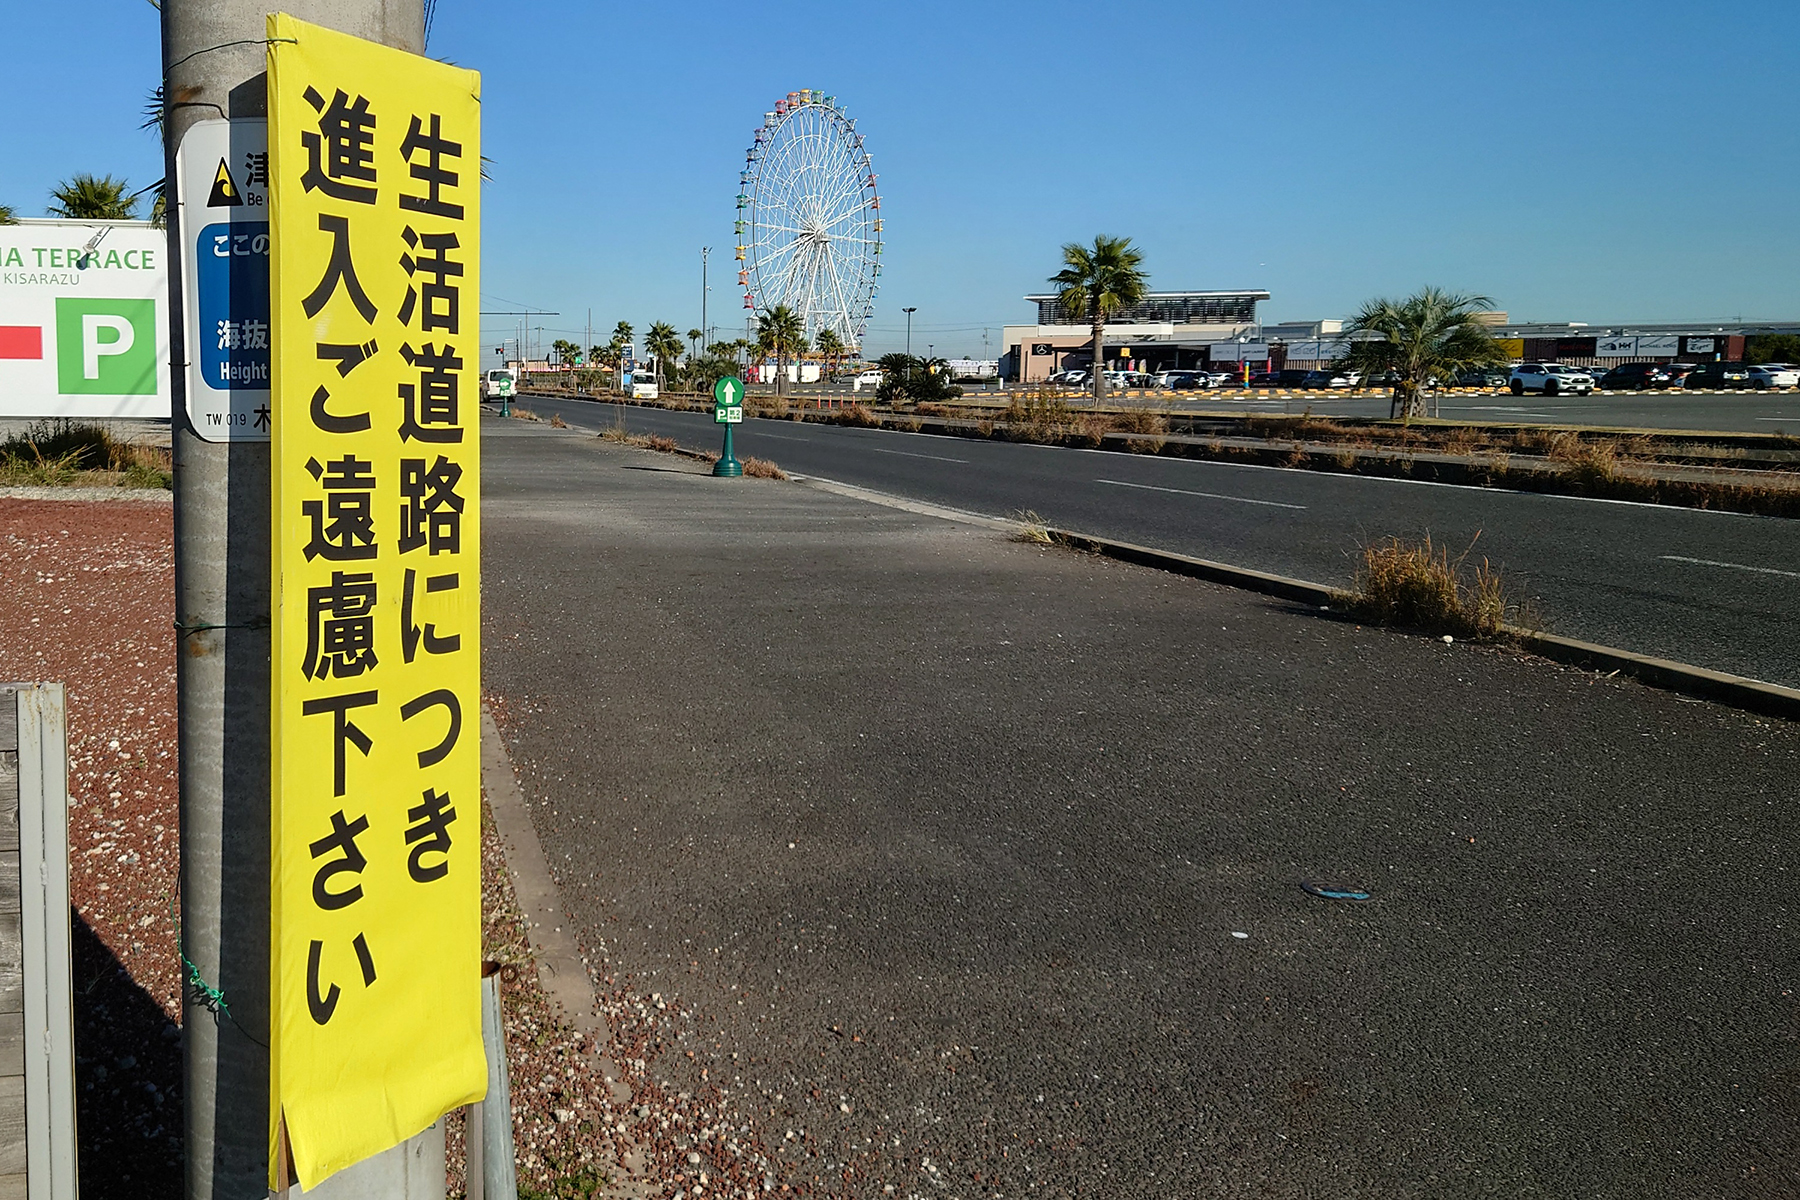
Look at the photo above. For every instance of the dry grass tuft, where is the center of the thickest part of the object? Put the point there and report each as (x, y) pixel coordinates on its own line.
(1140, 420)
(762, 468)
(1415, 585)
(61, 452)
(1590, 462)
(1031, 528)
(657, 441)
(524, 414)
(766, 406)
(855, 415)
(556, 422)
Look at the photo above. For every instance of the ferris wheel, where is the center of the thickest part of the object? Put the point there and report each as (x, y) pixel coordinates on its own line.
(809, 218)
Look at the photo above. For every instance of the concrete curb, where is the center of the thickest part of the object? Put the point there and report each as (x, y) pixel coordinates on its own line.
(560, 969)
(1735, 691)
(108, 494)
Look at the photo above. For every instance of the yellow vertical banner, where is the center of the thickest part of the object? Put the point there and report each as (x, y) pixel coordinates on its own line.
(374, 185)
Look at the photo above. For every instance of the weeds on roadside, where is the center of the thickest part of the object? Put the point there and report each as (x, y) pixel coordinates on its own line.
(762, 468)
(1031, 528)
(524, 414)
(766, 406)
(61, 452)
(854, 415)
(1415, 585)
(583, 1183)
(556, 422)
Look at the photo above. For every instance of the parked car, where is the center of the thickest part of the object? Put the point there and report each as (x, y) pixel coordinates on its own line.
(1069, 378)
(1637, 376)
(1220, 378)
(1718, 376)
(1182, 381)
(1266, 379)
(1127, 379)
(643, 387)
(868, 379)
(1552, 379)
(498, 383)
(1775, 375)
(1484, 377)
(1678, 373)
(1330, 379)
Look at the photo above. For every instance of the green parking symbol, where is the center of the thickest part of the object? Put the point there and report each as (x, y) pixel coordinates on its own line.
(105, 347)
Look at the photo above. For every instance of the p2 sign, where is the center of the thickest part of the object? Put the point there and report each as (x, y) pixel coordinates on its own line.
(222, 174)
(82, 328)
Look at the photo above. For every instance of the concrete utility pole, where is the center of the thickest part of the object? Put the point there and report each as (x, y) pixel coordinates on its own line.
(704, 251)
(214, 66)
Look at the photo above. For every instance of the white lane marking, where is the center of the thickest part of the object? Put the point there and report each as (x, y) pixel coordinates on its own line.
(1788, 420)
(909, 454)
(1150, 487)
(1708, 562)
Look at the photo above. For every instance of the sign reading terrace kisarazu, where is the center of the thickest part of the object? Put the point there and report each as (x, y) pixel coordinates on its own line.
(82, 329)
(374, 181)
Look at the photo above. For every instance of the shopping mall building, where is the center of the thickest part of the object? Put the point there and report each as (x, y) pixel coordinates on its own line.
(1185, 330)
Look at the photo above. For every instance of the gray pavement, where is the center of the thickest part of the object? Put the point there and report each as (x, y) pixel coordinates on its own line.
(1715, 589)
(948, 843)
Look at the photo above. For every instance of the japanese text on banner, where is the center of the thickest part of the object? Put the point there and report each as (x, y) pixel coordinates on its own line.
(374, 162)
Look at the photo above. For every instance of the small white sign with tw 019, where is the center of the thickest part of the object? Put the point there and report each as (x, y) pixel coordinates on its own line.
(222, 190)
(733, 415)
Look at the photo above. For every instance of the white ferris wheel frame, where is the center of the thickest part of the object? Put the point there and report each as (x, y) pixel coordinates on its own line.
(809, 218)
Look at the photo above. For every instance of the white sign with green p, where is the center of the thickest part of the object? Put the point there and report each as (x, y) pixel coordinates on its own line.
(82, 327)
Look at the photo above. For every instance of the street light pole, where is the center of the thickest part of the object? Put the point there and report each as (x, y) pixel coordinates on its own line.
(704, 251)
(909, 312)
(214, 59)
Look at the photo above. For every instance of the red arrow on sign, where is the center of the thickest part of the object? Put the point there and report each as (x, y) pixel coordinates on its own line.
(21, 341)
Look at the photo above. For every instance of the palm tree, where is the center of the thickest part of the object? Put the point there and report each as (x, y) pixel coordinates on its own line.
(694, 336)
(1426, 337)
(830, 346)
(1097, 282)
(565, 351)
(6, 215)
(663, 344)
(93, 198)
(782, 334)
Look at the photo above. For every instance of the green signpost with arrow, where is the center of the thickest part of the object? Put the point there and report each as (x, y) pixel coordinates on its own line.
(728, 410)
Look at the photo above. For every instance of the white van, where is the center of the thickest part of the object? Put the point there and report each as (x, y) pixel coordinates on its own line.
(499, 383)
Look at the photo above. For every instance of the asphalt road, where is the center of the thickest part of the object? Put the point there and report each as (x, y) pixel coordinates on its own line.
(973, 869)
(1718, 590)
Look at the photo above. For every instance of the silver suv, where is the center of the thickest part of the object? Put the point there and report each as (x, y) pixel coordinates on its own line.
(1549, 378)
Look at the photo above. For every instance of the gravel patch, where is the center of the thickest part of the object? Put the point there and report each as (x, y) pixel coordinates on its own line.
(90, 598)
(90, 603)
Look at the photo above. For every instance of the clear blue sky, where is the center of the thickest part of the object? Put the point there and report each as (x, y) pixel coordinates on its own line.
(1577, 161)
